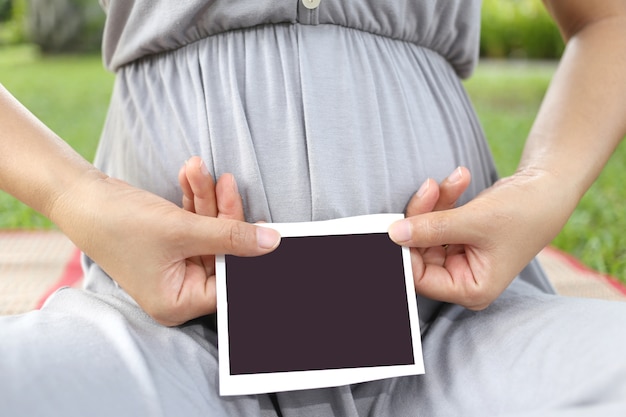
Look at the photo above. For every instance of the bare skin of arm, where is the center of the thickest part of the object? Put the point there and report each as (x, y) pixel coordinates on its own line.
(580, 122)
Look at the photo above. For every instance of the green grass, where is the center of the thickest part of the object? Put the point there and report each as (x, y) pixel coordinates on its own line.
(70, 94)
(506, 98)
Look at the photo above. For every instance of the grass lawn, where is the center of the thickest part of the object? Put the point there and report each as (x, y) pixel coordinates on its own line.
(70, 95)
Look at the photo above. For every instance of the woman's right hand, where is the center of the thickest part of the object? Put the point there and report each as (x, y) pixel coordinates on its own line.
(160, 254)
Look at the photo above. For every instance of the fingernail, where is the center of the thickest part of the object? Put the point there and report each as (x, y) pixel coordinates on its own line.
(423, 188)
(400, 231)
(267, 238)
(235, 186)
(204, 169)
(456, 176)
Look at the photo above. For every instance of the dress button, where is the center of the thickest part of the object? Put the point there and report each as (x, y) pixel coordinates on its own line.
(311, 4)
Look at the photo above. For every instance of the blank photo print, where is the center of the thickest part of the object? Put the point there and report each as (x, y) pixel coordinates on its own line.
(334, 304)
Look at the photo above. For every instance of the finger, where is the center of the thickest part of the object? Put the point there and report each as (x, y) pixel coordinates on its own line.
(438, 283)
(452, 187)
(198, 295)
(425, 199)
(435, 255)
(452, 280)
(194, 296)
(455, 282)
(186, 188)
(209, 235)
(229, 202)
(193, 175)
(202, 187)
(438, 228)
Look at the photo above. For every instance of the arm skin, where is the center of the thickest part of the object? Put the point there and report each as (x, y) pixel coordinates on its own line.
(147, 244)
(580, 122)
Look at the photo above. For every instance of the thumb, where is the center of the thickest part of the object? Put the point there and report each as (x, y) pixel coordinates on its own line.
(436, 228)
(211, 236)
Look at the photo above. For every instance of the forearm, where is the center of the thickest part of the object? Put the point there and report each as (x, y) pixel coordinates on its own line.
(36, 166)
(583, 115)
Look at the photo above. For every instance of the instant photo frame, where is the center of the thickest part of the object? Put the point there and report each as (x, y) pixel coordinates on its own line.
(334, 304)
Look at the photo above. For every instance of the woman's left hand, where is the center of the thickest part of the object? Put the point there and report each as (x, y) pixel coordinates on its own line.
(468, 255)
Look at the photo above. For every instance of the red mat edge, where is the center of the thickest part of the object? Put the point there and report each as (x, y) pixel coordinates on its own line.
(579, 266)
(72, 273)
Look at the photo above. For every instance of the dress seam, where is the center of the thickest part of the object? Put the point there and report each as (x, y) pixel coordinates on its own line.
(190, 44)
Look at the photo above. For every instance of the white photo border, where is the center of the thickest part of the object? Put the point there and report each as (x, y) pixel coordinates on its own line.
(298, 380)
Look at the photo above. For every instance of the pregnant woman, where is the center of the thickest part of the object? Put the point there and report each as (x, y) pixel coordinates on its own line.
(318, 109)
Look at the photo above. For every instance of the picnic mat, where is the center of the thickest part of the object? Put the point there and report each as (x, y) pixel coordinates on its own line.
(34, 264)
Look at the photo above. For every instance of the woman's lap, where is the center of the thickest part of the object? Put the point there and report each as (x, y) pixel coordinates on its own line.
(528, 352)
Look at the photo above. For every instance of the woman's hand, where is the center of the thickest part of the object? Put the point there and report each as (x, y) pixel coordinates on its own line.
(470, 254)
(157, 252)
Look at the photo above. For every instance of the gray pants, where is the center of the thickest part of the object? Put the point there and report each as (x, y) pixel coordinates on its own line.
(529, 353)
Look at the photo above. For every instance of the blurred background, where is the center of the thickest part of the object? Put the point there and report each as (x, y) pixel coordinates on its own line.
(50, 60)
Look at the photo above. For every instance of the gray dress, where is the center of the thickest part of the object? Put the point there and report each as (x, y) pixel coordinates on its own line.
(338, 110)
